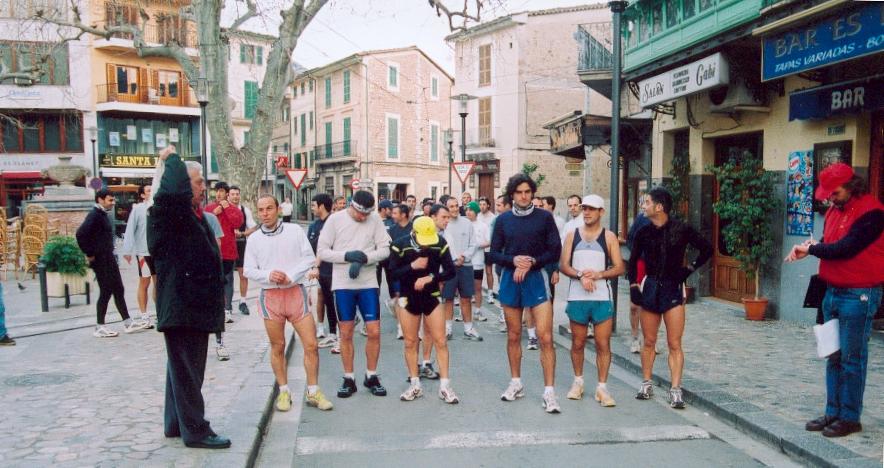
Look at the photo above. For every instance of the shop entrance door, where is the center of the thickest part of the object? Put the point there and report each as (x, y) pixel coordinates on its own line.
(728, 282)
(486, 187)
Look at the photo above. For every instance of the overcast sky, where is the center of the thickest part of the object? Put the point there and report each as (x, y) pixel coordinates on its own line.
(344, 27)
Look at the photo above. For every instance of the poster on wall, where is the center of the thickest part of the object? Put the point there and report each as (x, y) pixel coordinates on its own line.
(799, 194)
(131, 132)
(147, 135)
(113, 138)
(161, 140)
(173, 135)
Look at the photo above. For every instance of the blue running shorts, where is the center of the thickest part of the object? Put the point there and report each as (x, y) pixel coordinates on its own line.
(368, 301)
(583, 312)
(532, 291)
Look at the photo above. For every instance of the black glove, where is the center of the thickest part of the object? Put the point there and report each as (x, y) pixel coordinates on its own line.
(356, 256)
(683, 274)
(635, 295)
(355, 267)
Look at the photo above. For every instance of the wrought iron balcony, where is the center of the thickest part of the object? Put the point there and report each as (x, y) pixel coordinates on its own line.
(595, 42)
(162, 95)
(334, 152)
(482, 137)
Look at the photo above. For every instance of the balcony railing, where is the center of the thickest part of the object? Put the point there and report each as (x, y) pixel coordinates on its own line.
(337, 150)
(595, 42)
(164, 34)
(482, 137)
(135, 93)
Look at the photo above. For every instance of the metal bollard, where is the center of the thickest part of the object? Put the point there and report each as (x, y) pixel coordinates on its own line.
(44, 299)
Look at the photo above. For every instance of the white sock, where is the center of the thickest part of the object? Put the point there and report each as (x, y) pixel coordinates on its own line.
(448, 324)
(311, 389)
(320, 327)
(549, 390)
(425, 363)
(444, 383)
(602, 386)
(370, 373)
(283, 388)
(532, 333)
(516, 380)
(467, 326)
(349, 375)
(578, 379)
(416, 381)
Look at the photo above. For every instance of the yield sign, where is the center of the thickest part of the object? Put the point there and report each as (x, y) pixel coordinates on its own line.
(463, 170)
(296, 176)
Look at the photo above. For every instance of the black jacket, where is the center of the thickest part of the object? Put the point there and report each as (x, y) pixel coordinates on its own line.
(95, 236)
(190, 282)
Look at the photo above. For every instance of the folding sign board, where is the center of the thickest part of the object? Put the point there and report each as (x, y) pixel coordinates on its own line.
(296, 176)
(463, 170)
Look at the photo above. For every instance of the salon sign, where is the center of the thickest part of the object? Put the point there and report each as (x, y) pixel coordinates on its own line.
(707, 73)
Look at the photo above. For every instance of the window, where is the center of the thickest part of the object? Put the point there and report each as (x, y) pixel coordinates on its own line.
(285, 148)
(20, 56)
(27, 9)
(485, 65)
(286, 114)
(643, 28)
(392, 136)
(116, 14)
(171, 28)
(298, 160)
(657, 18)
(302, 89)
(168, 83)
(688, 8)
(310, 157)
(346, 151)
(275, 148)
(434, 87)
(672, 12)
(346, 86)
(303, 130)
(295, 92)
(251, 54)
(246, 137)
(706, 4)
(328, 139)
(311, 120)
(311, 86)
(188, 135)
(330, 185)
(328, 92)
(484, 120)
(251, 99)
(434, 143)
(126, 79)
(43, 133)
(393, 76)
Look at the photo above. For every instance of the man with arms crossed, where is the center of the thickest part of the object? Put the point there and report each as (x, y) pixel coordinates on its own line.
(278, 257)
(590, 257)
(524, 240)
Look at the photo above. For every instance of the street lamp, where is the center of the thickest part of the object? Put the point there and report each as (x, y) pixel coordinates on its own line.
(617, 7)
(93, 137)
(449, 139)
(463, 100)
(202, 97)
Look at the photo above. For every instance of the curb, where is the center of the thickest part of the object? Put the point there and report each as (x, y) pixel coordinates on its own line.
(772, 430)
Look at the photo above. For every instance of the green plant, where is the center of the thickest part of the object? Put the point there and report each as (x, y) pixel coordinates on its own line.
(62, 254)
(529, 169)
(746, 201)
(678, 186)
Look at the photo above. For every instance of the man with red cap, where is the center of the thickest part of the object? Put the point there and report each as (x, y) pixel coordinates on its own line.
(851, 255)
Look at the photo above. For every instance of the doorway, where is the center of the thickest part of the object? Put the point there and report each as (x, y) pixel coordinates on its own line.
(486, 186)
(728, 281)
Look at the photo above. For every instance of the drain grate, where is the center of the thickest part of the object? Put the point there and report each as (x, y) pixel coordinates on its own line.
(34, 380)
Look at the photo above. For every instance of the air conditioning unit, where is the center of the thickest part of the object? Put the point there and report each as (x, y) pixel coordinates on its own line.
(735, 97)
(22, 81)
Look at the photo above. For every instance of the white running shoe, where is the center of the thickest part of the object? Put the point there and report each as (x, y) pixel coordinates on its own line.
(480, 316)
(472, 335)
(362, 330)
(448, 332)
(228, 316)
(134, 326)
(328, 341)
(515, 390)
(320, 333)
(589, 332)
(448, 395)
(399, 335)
(636, 346)
(222, 353)
(458, 318)
(603, 396)
(501, 318)
(412, 393)
(550, 405)
(576, 391)
(104, 332)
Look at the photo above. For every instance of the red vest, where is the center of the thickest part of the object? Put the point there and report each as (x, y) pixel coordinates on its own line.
(866, 269)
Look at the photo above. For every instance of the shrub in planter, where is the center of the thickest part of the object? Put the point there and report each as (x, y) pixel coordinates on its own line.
(65, 264)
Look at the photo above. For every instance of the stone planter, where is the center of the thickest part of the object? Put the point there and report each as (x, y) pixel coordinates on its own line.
(55, 282)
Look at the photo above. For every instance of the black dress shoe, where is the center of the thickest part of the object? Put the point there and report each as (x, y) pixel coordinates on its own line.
(348, 388)
(210, 442)
(841, 428)
(819, 423)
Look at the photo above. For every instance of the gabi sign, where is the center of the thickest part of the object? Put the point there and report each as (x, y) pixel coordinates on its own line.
(852, 33)
(710, 72)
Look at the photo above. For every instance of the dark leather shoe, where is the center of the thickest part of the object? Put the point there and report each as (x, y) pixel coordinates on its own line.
(819, 423)
(210, 442)
(841, 428)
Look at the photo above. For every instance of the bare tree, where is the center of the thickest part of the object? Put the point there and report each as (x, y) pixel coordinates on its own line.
(244, 165)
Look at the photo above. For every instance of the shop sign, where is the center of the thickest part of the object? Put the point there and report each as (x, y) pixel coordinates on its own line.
(710, 72)
(141, 161)
(566, 136)
(848, 35)
(841, 98)
(487, 166)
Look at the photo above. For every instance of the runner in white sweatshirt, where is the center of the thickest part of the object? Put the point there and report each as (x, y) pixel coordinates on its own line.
(278, 257)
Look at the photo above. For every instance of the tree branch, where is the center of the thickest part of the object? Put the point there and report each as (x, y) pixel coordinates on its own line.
(464, 14)
(249, 14)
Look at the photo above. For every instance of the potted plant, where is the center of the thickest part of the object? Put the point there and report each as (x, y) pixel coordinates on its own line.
(746, 200)
(65, 264)
(678, 186)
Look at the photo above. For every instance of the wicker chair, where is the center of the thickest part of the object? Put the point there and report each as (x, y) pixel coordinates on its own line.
(35, 230)
(32, 248)
(11, 247)
(36, 209)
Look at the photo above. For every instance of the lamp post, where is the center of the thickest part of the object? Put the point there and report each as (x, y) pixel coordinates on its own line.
(93, 137)
(202, 97)
(449, 139)
(463, 100)
(617, 7)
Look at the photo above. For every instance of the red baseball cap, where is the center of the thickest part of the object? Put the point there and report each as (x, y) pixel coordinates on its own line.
(831, 178)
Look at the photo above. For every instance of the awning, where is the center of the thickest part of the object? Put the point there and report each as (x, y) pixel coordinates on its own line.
(21, 175)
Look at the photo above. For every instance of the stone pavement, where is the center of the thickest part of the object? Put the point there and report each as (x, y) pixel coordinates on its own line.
(69, 399)
(764, 377)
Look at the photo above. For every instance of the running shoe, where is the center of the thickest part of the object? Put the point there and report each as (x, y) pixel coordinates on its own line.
(336, 348)
(328, 341)
(222, 353)
(320, 333)
(501, 318)
(373, 384)
(645, 391)
(427, 372)
(676, 399)
(604, 397)
(243, 308)
(589, 332)
(472, 335)
(284, 401)
(362, 330)
(413, 392)
(348, 388)
(448, 332)
(448, 395)
(515, 390)
(318, 400)
(104, 332)
(399, 335)
(532, 343)
(479, 316)
(7, 341)
(134, 326)
(636, 346)
(489, 299)
(148, 323)
(550, 405)
(228, 316)
(458, 318)
(657, 348)
(576, 392)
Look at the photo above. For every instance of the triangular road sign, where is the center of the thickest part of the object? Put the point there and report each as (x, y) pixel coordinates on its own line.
(296, 176)
(463, 170)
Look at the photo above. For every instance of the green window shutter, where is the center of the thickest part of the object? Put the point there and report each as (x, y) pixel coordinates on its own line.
(327, 93)
(260, 55)
(298, 160)
(346, 86)
(303, 129)
(394, 78)
(242, 53)
(246, 137)
(392, 138)
(347, 136)
(311, 120)
(435, 87)
(328, 139)
(434, 143)
(251, 98)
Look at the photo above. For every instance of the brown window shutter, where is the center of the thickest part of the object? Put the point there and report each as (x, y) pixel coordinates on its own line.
(143, 84)
(110, 88)
(184, 90)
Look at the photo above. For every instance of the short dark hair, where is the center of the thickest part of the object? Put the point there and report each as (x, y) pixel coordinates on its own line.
(236, 187)
(103, 193)
(411, 196)
(857, 186)
(364, 198)
(220, 185)
(443, 200)
(574, 195)
(551, 201)
(141, 189)
(264, 195)
(436, 208)
(324, 200)
(517, 180)
(505, 200)
(403, 208)
(661, 195)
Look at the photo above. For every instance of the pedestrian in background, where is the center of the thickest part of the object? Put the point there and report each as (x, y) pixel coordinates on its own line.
(135, 243)
(286, 208)
(231, 219)
(242, 234)
(5, 339)
(482, 236)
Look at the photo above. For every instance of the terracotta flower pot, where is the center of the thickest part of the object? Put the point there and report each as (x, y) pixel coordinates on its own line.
(755, 307)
